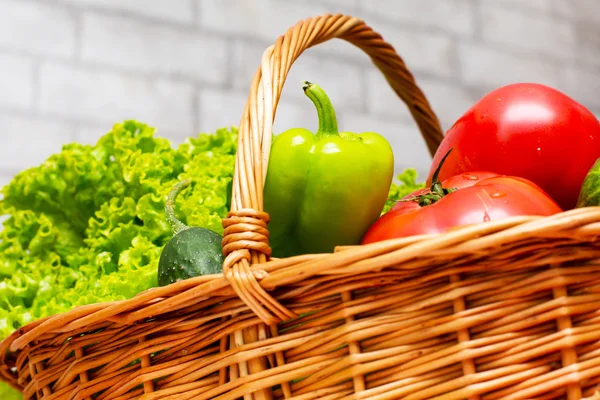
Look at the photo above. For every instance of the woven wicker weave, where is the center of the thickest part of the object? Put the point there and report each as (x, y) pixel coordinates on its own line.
(498, 310)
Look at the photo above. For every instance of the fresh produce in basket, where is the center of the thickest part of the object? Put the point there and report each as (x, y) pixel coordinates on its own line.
(324, 189)
(507, 312)
(468, 198)
(525, 130)
(193, 251)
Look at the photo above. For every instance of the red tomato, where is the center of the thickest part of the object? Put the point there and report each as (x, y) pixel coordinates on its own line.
(480, 197)
(527, 130)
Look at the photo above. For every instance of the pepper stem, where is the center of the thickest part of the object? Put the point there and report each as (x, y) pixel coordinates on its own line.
(327, 119)
(176, 225)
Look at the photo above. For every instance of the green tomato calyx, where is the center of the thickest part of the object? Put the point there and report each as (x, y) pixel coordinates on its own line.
(436, 191)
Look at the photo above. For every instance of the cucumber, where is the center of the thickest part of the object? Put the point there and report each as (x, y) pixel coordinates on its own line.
(192, 251)
(589, 196)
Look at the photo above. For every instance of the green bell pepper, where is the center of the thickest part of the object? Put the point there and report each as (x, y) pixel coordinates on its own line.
(327, 189)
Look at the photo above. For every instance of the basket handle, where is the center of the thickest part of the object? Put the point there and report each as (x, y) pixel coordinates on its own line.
(246, 235)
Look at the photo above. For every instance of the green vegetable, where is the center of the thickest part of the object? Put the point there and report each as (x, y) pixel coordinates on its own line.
(589, 196)
(88, 224)
(8, 393)
(326, 189)
(193, 251)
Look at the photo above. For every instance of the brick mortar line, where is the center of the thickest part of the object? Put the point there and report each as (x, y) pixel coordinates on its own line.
(114, 12)
(476, 18)
(74, 124)
(325, 3)
(531, 54)
(428, 28)
(78, 18)
(525, 8)
(36, 84)
(364, 89)
(454, 60)
(229, 67)
(196, 104)
(195, 14)
(50, 117)
(74, 128)
(93, 66)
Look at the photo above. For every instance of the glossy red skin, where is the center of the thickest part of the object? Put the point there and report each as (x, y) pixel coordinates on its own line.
(488, 197)
(526, 130)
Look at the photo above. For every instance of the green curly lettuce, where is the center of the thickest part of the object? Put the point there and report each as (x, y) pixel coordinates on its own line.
(88, 224)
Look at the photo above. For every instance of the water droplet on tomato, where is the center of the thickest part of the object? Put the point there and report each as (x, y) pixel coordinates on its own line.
(470, 177)
(539, 149)
(486, 217)
(497, 195)
(499, 99)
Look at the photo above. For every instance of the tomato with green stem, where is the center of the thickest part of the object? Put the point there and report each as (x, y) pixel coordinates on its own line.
(464, 199)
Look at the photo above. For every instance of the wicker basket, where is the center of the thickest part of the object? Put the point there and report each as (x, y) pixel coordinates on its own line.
(498, 310)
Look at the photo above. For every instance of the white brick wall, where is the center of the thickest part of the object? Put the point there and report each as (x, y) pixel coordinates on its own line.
(219, 108)
(33, 137)
(154, 48)
(69, 69)
(561, 8)
(92, 95)
(180, 11)
(528, 31)
(37, 27)
(588, 42)
(484, 66)
(16, 81)
(583, 84)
